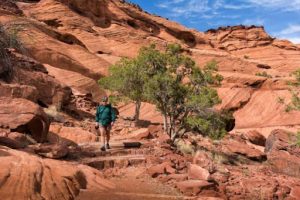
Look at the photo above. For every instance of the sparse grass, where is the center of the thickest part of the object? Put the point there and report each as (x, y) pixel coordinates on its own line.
(9, 39)
(263, 74)
(185, 148)
(54, 114)
(298, 139)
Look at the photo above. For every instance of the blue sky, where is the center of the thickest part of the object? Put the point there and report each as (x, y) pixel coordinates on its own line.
(281, 18)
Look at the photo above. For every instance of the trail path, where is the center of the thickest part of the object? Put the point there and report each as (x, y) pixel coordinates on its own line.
(126, 169)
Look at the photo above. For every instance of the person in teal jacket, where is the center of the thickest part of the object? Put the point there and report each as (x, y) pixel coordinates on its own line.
(105, 118)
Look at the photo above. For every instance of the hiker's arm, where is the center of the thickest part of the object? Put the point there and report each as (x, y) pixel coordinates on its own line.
(97, 114)
(113, 116)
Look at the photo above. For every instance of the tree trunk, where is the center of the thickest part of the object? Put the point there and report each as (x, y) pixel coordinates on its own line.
(172, 128)
(137, 111)
(166, 123)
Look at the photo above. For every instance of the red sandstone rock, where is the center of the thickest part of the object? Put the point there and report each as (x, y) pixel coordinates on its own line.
(232, 146)
(25, 176)
(24, 116)
(202, 159)
(139, 134)
(295, 192)
(255, 137)
(198, 173)
(164, 168)
(69, 135)
(54, 151)
(193, 186)
(14, 140)
(18, 91)
(285, 163)
(279, 139)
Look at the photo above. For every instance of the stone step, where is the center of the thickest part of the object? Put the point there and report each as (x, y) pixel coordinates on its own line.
(121, 152)
(117, 149)
(121, 144)
(107, 162)
(135, 196)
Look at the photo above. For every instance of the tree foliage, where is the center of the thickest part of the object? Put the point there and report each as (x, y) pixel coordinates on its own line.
(183, 94)
(129, 76)
(295, 101)
(173, 82)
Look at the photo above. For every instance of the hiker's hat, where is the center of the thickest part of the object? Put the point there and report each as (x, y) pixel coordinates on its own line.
(104, 99)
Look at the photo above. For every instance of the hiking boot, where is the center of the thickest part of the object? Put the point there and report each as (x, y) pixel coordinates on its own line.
(107, 146)
(103, 148)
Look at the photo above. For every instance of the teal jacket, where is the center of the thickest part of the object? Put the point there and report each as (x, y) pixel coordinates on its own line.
(105, 115)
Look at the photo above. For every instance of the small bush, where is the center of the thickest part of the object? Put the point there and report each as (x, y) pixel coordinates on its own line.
(264, 74)
(298, 139)
(246, 57)
(9, 39)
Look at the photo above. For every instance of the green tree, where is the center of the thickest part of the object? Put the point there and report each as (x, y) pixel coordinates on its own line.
(183, 95)
(128, 77)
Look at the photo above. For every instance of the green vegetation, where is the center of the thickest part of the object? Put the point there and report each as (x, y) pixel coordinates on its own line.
(294, 89)
(129, 76)
(8, 39)
(298, 139)
(173, 82)
(295, 102)
(264, 74)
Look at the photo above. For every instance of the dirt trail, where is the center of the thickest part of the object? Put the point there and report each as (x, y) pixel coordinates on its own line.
(126, 169)
(134, 184)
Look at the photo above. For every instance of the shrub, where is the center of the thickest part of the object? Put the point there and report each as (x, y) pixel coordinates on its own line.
(8, 39)
(264, 74)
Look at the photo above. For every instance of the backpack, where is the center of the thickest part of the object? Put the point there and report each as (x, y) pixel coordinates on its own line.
(116, 111)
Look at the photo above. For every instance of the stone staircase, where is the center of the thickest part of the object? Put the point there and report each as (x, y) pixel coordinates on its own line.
(121, 155)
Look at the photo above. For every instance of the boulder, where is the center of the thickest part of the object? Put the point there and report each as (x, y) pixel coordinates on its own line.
(202, 159)
(24, 116)
(193, 187)
(14, 140)
(25, 176)
(69, 135)
(279, 140)
(255, 137)
(164, 168)
(198, 173)
(253, 186)
(283, 155)
(285, 163)
(54, 151)
(142, 133)
(233, 146)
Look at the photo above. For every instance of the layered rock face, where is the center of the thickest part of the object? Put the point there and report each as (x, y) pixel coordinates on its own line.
(67, 45)
(25, 176)
(79, 40)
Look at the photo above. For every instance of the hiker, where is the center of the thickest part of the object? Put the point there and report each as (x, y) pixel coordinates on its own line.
(105, 118)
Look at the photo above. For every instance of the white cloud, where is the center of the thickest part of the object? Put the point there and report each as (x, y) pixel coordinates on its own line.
(295, 40)
(256, 21)
(284, 5)
(291, 29)
(291, 32)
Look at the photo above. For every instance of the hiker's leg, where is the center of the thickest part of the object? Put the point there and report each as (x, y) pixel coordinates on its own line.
(107, 134)
(103, 134)
(98, 134)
